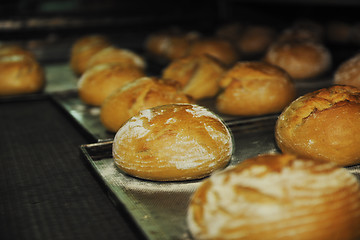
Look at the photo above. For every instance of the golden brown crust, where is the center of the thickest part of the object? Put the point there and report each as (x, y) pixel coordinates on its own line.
(324, 124)
(98, 82)
(254, 88)
(143, 93)
(221, 49)
(124, 57)
(198, 76)
(276, 196)
(172, 143)
(83, 49)
(348, 72)
(20, 75)
(301, 59)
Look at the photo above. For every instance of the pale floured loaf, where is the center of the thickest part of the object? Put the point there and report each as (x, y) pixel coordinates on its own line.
(273, 197)
(324, 124)
(172, 143)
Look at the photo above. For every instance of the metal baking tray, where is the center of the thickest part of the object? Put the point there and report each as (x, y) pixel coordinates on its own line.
(159, 208)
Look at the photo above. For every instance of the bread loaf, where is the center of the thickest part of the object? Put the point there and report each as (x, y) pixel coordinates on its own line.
(172, 142)
(273, 197)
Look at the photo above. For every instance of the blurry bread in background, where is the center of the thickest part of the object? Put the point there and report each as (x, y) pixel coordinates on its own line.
(198, 76)
(98, 82)
(83, 49)
(348, 73)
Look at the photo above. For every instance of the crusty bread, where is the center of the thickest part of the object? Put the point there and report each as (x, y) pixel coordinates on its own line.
(125, 57)
(324, 124)
(273, 197)
(348, 73)
(143, 93)
(301, 59)
(198, 76)
(98, 82)
(83, 49)
(254, 88)
(172, 142)
(20, 74)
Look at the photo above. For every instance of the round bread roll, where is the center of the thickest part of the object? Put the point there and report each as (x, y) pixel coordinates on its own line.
(198, 76)
(83, 49)
(172, 142)
(20, 74)
(125, 57)
(221, 49)
(348, 73)
(273, 197)
(254, 88)
(143, 93)
(301, 59)
(255, 40)
(324, 124)
(98, 82)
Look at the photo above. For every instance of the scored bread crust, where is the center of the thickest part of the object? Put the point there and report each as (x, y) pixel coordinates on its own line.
(172, 142)
(273, 197)
(324, 124)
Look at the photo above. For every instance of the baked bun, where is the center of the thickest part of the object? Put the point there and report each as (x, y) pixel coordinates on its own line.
(98, 82)
(254, 88)
(324, 124)
(221, 49)
(20, 74)
(348, 73)
(83, 49)
(198, 76)
(143, 93)
(172, 143)
(273, 197)
(125, 57)
(254, 40)
(301, 59)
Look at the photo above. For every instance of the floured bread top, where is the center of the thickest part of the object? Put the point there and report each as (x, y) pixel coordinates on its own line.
(172, 142)
(276, 197)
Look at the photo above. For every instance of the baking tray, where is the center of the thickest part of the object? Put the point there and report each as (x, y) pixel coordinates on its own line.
(159, 208)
